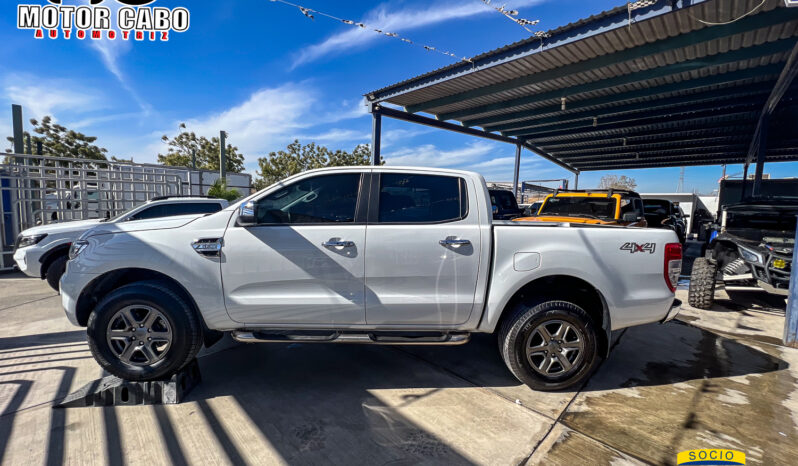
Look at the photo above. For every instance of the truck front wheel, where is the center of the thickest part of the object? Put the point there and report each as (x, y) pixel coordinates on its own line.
(143, 331)
(549, 346)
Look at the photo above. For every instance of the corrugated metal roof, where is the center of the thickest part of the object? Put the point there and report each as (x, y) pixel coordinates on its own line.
(605, 66)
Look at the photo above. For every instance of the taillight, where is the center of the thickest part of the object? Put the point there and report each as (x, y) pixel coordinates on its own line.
(673, 264)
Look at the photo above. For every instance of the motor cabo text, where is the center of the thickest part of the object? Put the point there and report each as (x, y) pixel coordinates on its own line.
(98, 22)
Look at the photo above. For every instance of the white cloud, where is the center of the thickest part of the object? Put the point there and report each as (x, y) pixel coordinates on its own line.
(429, 155)
(485, 158)
(338, 135)
(40, 97)
(397, 21)
(268, 118)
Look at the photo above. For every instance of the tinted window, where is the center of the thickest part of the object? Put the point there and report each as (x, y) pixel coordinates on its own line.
(152, 212)
(192, 208)
(321, 199)
(504, 200)
(421, 198)
(182, 208)
(576, 206)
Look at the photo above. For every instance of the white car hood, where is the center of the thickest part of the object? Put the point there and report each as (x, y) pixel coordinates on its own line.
(142, 225)
(65, 227)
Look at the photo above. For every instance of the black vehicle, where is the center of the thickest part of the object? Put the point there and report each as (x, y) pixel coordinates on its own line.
(751, 247)
(505, 207)
(662, 213)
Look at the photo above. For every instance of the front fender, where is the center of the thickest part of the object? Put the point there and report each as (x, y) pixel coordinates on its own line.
(166, 252)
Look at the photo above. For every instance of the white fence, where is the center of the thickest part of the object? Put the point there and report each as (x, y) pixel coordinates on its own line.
(36, 190)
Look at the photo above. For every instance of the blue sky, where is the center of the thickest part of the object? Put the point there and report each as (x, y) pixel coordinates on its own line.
(267, 75)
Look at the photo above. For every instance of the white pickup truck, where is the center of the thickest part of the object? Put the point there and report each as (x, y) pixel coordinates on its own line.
(370, 255)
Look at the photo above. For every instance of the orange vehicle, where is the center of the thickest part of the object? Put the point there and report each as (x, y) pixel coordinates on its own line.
(600, 206)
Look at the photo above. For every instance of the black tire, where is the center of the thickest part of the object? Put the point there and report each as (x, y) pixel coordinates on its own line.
(517, 331)
(701, 294)
(186, 330)
(54, 271)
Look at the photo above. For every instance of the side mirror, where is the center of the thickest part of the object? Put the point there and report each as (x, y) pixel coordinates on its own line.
(247, 214)
(630, 217)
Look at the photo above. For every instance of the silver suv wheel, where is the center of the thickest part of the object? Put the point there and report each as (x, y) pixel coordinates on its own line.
(554, 347)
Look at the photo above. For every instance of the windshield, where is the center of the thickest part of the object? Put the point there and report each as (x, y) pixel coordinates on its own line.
(504, 200)
(597, 207)
(651, 207)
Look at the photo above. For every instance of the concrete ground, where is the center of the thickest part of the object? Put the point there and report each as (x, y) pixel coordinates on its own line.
(715, 378)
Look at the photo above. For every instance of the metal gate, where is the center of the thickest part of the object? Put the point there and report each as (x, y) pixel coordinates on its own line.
(37, 190)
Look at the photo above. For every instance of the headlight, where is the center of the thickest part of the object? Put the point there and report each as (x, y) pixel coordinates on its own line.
(77, 247)
(750, 256)
(25, 241)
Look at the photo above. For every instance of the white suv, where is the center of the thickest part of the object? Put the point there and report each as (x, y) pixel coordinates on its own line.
(42, 251)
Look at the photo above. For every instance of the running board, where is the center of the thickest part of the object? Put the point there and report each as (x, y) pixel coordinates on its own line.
(374, 338)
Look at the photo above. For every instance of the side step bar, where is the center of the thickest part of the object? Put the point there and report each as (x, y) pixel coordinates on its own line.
(375, 338)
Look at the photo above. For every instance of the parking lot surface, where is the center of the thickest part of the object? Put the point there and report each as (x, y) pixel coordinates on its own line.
(711, 379)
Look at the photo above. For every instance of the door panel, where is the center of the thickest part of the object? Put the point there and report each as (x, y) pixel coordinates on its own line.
(304, 262)
(283, 275)
(411, 277)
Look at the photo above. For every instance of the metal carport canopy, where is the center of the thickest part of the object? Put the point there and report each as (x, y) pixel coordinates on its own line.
(651, 84)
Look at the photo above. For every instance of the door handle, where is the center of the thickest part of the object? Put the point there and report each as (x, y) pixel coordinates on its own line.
(334, 243)
(453, 242)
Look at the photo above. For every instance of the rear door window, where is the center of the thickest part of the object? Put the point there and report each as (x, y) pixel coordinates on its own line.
(407, 198)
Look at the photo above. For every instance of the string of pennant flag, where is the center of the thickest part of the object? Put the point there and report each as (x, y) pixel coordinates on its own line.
(311, 13)
(512, 15)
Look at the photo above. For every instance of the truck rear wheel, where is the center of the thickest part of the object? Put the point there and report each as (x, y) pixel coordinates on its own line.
(702, 284)
(549, 346)
(143, 331)
(54, 271)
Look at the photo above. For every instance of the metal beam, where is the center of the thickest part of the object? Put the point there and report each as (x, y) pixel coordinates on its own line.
(748, 53)
(716, 97)
(516, 170)
(616, 148)
(759, 141)
(692, 122)
(729, 159)
(749, 23)
(704, 108)
(687, 154)
(376, 138)
(790, 337)
(656, 137)
(731, 79)
(422, 120)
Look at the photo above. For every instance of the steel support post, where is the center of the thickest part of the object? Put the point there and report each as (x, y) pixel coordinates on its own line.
(16, 121)
(222, 156)
(761, 151)
(791, 314)
(516, 169)
(576, 180)
(376, 136)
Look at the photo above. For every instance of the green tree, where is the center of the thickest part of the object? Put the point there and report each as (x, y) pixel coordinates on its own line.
(180, 147)
(617, 182)
(58, 141)
(297, 158)
(219, 190)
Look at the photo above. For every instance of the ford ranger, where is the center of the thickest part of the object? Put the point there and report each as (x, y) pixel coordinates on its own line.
(377, 255)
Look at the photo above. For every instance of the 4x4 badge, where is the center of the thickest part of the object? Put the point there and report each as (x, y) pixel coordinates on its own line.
(634, 247)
